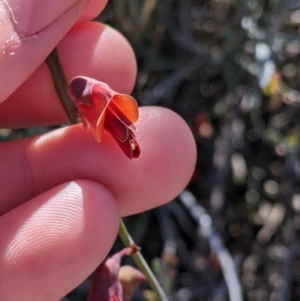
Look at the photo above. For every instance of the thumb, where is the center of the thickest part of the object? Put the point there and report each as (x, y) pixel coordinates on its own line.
(30, 29)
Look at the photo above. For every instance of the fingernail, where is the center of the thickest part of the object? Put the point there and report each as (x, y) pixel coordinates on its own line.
(32, 16)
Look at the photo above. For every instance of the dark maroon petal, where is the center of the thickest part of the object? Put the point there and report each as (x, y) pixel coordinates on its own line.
(115, 127)
(100, 90)
(119, 114)
(105, 285)
(78, 90)
(135, 148)
(130, 147)
(126, 148)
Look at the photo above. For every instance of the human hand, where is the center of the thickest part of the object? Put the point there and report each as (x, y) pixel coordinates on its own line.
(62, 192)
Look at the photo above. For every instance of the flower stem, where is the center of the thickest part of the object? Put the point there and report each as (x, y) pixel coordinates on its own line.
(61, 85)
(141, 263)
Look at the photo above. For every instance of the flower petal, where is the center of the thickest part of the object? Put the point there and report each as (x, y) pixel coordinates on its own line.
(100, 127)
(115, 126)
(105, 284)
(102, 91)
(100, 103)
(102, 108)
(120, 115)
(130, 147)
(79, 89)
(127, 105)
(135, 148)
(88, 117)
(125, 147)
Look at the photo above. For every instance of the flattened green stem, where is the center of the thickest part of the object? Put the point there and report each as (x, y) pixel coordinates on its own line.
(61, 85)
(141, 263)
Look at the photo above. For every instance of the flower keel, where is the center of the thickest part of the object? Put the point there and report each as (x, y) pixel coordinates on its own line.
(102, 108)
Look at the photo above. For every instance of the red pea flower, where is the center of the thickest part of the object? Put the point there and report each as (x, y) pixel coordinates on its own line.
(102, 108)
(111, 282)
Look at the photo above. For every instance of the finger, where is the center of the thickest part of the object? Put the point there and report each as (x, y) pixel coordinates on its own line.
(32, 30)
(90, 49)
(164, 168)
(51, 243)
(92, 10)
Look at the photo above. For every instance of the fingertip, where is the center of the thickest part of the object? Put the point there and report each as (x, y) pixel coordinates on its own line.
(168, 151)
(108, 50)
(164, 168)
(56, 240)
(92, 10)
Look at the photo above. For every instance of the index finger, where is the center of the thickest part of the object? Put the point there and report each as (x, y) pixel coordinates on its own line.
(168, 154)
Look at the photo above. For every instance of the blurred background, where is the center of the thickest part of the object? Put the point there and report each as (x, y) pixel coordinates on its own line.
(230, 69)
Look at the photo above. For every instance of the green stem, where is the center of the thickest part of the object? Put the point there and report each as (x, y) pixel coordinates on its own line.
(141, 263)
(61, 85)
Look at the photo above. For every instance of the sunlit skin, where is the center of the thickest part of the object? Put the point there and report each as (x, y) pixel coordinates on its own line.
(102, 108)
(62, 193)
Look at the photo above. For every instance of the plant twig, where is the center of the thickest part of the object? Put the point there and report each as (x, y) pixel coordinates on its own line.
(61, 85)
(141, 263)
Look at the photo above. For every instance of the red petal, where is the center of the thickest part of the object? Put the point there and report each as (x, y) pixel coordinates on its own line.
(99, 105)
(102, 108)
(102, 91)
(130, 147)
(100, 102)
(117, 129)
(126, 148)
(119, 114)
(127, 105)
(101, 97)
(135, 148)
